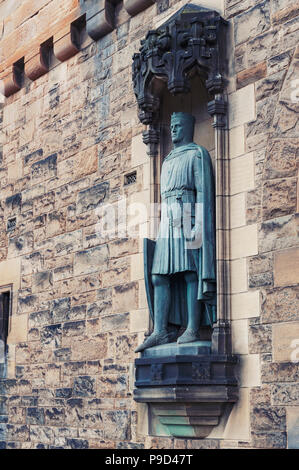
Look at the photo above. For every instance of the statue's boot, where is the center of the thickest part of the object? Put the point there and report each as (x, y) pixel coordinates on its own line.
(155, 339)
(189, 336)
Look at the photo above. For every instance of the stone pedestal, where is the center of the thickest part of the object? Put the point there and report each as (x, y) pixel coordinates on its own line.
(185, 387)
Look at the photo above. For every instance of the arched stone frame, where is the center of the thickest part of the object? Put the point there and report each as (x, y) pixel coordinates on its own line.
(191, 42)
(203, 388)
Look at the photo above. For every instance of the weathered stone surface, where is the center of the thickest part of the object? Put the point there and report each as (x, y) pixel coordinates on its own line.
(51, 336)
(280, 372)
(35, 416)
(278, 233)
(293, 427)
(269, 440)
(42, 281)
(94, 259)
(90, 199)
(125, 297)
(281, 158)
(280, 305)
(113, 385)
(253, 22)
(116, 424)
(44, 169)
(269, 85)
(265, 110)
(268, 419)
(261, 395)
(115, 322)
(260, 337)
(84, 387)
(251, 75)
(286, 267)
(285, 394)
(279, 198)
(259, 47)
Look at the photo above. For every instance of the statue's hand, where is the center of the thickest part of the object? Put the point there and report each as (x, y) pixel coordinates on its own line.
(195, 241)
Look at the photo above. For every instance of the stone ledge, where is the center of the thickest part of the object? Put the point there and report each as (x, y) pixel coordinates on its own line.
(186, 412)
(186, 394)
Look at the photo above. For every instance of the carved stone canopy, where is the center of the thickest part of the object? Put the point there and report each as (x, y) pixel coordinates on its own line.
(191, 41)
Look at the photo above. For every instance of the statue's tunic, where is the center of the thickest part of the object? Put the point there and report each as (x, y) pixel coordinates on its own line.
(187, 177)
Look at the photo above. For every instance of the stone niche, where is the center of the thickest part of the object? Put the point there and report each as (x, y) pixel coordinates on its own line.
(181, 67)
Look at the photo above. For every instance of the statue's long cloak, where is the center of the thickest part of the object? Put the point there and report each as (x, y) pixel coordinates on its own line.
(205, 257)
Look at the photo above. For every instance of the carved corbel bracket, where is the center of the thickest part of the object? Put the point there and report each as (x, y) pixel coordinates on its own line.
(136, 6)
(67, 42)
(37, 64)
(100, 19)
(13, 80)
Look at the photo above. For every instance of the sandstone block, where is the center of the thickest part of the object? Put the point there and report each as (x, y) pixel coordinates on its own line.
(280, 305)
(94, 259)
(239, 414)
(278, 233)
(260, 339)
(293, 427)
(249, 370)
(236, 142)
(241, 106)
(51, 336)
(268, 419)
(251, 75)
(44, 169)
(116, 424)
(285, 341)
(279, 198)
(280, 372)
(281, 158)
(239, 331)
(244, 241)
(286, 267)
(18, 329)
(253, 22)
(285, 394)
(84, 386)
(125, 297)
(90, 199)
(242, 174)
(117, 322)
(42, 281)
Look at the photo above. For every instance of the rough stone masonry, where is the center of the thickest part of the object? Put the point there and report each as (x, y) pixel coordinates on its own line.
(67, 139)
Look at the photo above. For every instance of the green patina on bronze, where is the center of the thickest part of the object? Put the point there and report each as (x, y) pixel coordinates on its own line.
(183, 266)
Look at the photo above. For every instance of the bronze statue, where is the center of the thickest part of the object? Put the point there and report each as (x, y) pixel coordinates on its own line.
(183, 267)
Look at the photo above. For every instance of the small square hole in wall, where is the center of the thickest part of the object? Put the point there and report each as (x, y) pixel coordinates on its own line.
(131, 178)
(11, 224)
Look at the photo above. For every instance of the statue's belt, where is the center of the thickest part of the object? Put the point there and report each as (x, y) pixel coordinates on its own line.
(184, 217)
(179, 193)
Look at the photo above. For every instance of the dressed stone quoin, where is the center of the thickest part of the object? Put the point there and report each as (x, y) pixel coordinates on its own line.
(183, 271)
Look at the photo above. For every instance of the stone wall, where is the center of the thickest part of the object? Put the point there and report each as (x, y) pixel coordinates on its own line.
(263, 98)
(67, 140)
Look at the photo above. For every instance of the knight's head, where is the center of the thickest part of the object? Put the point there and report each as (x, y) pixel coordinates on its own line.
(182, 128)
